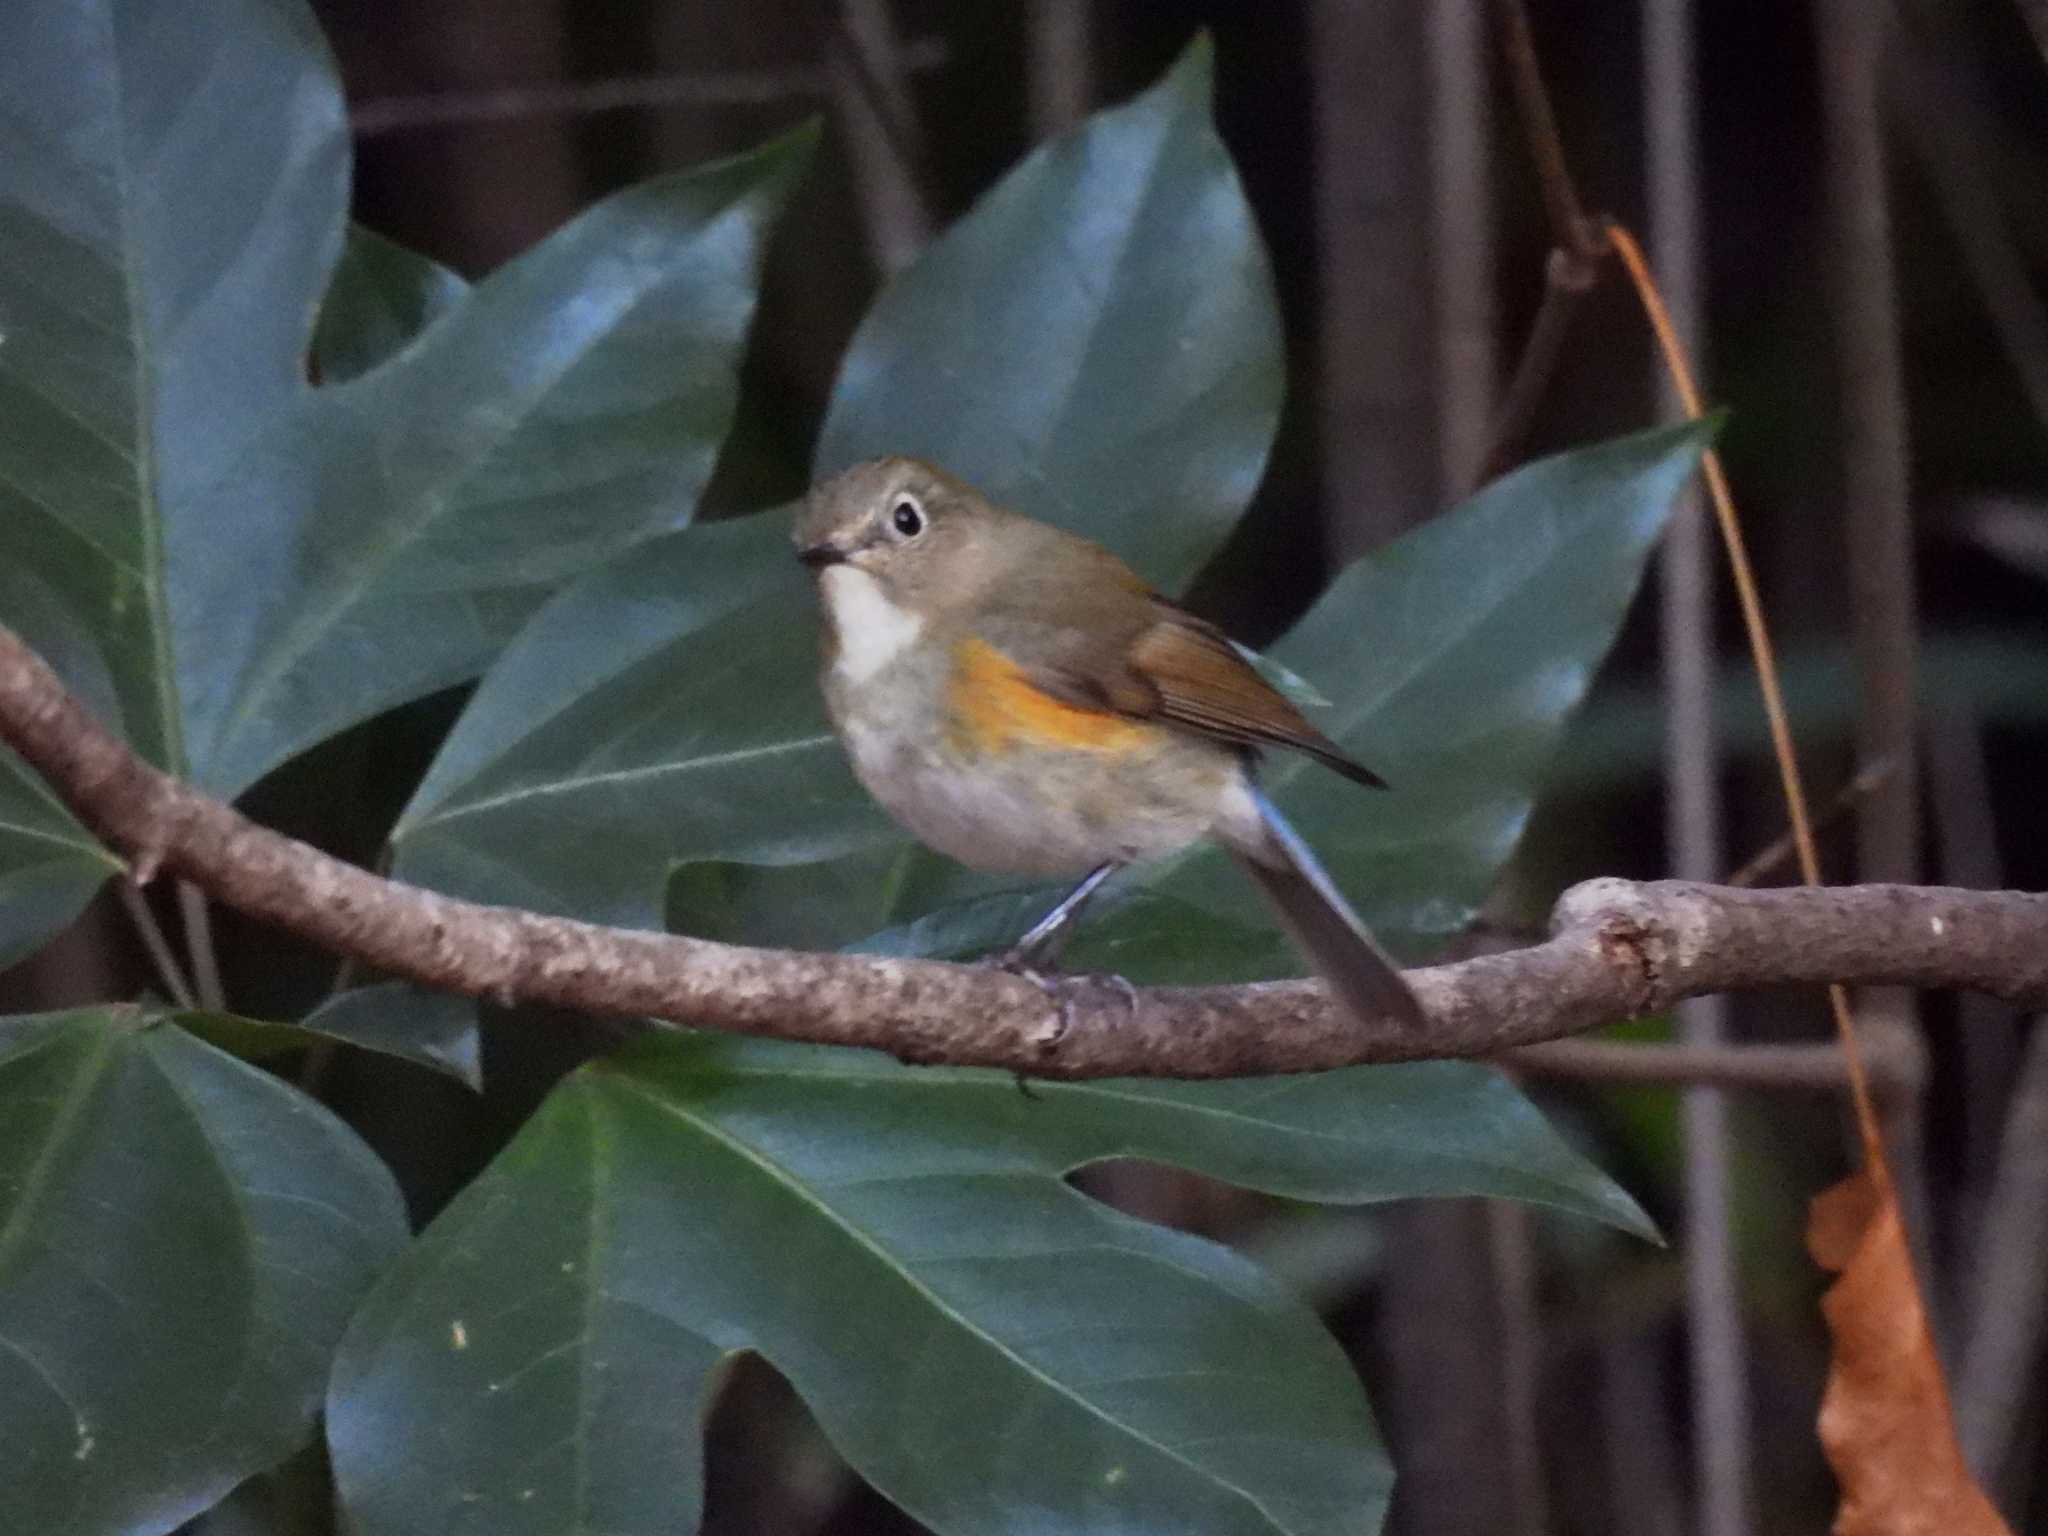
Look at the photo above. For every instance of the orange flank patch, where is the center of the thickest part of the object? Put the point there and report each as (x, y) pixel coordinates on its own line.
(993, 707)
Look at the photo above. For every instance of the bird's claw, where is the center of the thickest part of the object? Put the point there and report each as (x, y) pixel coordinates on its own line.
(1060, 991)
(1054, 1030)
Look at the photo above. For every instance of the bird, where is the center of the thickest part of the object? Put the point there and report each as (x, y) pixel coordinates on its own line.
(1017, 698)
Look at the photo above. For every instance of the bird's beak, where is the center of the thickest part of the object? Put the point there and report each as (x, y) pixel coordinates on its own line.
(817, 556)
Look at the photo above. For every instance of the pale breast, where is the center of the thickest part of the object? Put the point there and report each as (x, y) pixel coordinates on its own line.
(979, 796)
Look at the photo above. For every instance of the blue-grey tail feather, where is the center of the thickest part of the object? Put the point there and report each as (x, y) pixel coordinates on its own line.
(1322, 924)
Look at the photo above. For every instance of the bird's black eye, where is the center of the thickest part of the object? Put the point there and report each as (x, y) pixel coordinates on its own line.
(908, 519)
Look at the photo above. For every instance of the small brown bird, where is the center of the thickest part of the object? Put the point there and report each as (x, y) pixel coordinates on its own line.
(1019, 699)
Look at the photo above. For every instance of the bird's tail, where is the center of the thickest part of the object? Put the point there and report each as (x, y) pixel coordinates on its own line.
(1330, 936)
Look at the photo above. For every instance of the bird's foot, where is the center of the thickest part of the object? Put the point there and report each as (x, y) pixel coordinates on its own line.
(1065, 990)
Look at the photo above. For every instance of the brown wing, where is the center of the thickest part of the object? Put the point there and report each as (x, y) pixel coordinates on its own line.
(1203, 681)
(1177, 668)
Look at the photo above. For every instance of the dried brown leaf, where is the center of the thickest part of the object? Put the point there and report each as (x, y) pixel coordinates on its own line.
(1885, 1422)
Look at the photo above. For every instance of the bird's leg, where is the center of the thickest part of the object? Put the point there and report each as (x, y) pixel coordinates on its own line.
(1039, 949)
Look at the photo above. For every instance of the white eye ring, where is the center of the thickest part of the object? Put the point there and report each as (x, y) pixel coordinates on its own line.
(907, 517)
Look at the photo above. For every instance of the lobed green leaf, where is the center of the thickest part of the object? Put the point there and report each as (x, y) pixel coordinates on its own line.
(182, 1239)
(259, 563)
(993, 1350)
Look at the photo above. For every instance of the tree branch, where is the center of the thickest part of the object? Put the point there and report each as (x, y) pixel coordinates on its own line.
(1578, 244)
(1800, 1067)
(707, 88)
(1618, 948)
(1571, 231)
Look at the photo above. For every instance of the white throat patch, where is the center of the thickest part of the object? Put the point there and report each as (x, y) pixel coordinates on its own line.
(872, 630)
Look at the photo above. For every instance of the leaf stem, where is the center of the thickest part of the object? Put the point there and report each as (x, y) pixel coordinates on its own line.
(168, 971)
(199, 945)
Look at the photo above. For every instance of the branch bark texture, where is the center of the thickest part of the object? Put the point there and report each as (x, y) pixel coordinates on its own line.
(1618, 948)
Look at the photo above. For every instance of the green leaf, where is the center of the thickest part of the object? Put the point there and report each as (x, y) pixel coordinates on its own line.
(383, 296)
(1096, 340)
(994, 1351)
(293, 1499)
(663, 710)
(1292, 686)
(1096, 343)
(1454, 658)
(573, 405)
(169, 205)
(789, 907)
(182, 1239)
(436, 1030)
(50, 866)
(261, 562)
